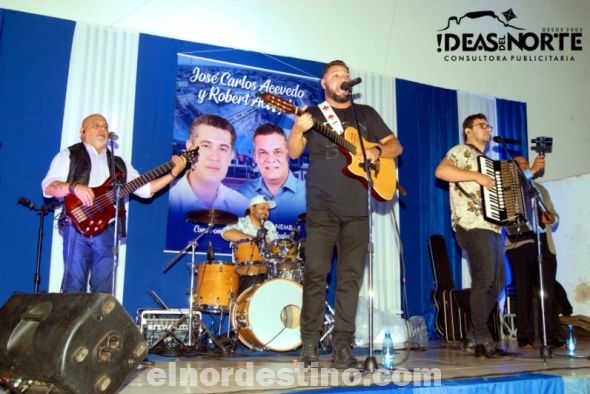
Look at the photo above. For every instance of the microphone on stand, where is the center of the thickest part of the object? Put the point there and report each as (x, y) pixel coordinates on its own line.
(347, 85)
(502, 140)
(26, 202)
(261, 233)
(113, 136)
(210, 253)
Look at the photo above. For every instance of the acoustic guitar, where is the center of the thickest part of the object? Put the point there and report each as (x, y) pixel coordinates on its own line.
(383, 172)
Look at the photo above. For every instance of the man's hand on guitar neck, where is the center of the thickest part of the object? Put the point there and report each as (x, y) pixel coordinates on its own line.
(296, 141)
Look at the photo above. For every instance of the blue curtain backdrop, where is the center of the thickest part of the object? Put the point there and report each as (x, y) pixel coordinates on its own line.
(34, 63)
(512, 123)
(427, 128)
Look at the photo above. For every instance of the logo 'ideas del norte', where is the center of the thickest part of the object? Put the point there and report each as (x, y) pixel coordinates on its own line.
(487, 36)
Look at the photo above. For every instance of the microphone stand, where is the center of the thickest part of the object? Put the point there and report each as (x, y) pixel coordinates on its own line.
(536, 204)
(41, 212)
(192, 246)
(116, 194)
(370, 364)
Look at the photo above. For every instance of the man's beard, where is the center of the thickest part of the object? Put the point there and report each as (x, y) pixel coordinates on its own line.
(339, 98)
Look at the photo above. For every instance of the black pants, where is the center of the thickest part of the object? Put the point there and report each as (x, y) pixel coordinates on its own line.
(488, 276)
(525, 271)
(350, 237)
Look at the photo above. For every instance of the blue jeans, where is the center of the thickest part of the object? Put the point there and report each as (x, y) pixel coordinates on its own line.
(488, 275)
(350, 236)
(88, 259)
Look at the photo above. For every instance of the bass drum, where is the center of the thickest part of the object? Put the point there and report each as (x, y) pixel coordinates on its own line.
(267, 316)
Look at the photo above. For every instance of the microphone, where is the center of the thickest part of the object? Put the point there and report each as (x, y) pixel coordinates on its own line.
(113, 136)
(502, 140)
(347, 85)
(210, 254)
(26, 202)
(261, 233)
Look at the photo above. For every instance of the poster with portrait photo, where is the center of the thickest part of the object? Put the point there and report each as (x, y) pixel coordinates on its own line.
(221, 99)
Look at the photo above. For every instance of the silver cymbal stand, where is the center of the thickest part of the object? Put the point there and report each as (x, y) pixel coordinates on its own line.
(192, 246)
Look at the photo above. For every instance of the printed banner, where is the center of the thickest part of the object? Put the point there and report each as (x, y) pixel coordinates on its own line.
(242, 148)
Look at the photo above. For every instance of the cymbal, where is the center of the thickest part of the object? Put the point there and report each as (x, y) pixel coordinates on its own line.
(302, 217)
(213, 216)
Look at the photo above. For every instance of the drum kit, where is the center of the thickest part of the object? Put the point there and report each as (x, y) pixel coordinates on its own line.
(265, 315)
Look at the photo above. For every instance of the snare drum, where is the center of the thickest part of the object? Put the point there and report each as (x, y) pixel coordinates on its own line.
(267, 316)
(247, 257)
(285, 269)
(217, 285)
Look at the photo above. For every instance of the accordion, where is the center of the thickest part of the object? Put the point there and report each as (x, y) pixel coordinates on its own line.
(507, 204)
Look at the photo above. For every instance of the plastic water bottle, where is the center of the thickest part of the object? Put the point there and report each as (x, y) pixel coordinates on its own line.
(570, 340)
(387, 355)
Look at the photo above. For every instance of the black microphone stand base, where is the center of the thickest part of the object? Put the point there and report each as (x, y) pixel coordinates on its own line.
(208, 334)
(545, 352)
(370, 364)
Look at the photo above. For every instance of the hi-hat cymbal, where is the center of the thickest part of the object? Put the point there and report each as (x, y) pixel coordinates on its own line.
(214, 216)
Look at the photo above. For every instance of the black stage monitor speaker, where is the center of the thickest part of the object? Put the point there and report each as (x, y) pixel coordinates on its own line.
(70, 343)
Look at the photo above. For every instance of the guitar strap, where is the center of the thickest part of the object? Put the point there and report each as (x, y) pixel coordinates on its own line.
(331, 117)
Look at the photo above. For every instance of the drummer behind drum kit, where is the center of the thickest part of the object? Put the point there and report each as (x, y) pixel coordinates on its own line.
(266, 315)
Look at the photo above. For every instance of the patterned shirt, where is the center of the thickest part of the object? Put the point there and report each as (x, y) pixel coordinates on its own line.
(466, 211)
(245, 225)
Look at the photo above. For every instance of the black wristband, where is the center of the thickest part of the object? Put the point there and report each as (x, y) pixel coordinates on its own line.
(72, 187)
(379, 149)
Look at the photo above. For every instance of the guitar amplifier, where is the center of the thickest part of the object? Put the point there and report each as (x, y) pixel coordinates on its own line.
(166, 330)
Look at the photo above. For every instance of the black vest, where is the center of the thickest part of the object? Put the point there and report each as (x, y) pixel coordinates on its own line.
(80, 172)
(80, 165)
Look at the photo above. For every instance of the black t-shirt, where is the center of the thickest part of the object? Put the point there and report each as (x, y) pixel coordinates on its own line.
(328, 188)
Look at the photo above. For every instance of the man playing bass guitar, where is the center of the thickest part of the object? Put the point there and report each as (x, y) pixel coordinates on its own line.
(73, 174)
(336, 211)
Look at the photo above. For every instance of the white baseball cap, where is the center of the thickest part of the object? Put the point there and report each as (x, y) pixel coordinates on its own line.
(259, 199)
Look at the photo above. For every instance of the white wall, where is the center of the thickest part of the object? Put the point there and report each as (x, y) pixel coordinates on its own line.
(390, 37)
(571, 238)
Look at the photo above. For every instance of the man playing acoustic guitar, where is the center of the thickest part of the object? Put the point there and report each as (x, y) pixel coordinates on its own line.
(75, 171)
(336, 211)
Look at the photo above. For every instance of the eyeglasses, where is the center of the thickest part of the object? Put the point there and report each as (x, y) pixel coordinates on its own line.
(483, 126)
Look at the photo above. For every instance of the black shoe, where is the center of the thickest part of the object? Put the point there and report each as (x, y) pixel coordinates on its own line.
(469, 345)
(309, 355)
(489, 350)
(481, 351)
(342, 358)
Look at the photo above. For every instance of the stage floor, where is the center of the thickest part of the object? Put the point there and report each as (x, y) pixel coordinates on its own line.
(268, 372)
